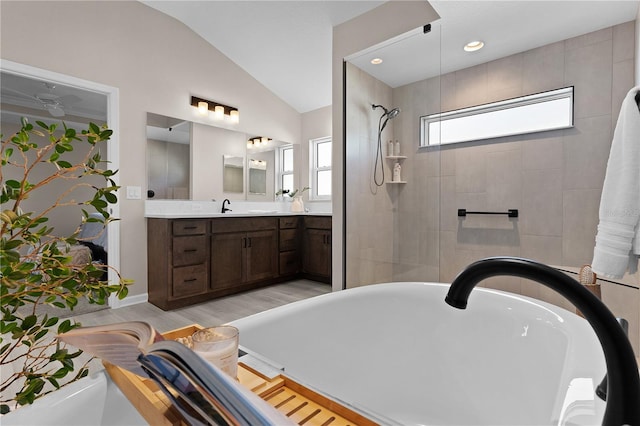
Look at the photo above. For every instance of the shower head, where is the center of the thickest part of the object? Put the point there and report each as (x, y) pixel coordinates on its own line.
(393, 113)
(390, 114)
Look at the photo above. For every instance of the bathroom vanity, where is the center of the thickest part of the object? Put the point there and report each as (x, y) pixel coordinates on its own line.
(193, 259)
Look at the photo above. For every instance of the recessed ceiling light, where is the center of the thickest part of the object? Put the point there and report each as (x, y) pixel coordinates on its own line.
(472, 46)
(376, 61)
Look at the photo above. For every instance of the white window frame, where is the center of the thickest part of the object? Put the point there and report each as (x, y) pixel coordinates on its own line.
(313, 169)
(539, 112)
(280, 165)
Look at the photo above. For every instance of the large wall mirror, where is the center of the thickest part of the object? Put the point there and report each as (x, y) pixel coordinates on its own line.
(194, 161)
(168, 157)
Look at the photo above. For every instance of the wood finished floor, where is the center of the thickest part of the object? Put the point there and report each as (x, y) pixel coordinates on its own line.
(214, 312)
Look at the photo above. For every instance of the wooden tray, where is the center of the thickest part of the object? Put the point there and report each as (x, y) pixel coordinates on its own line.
(300, 404)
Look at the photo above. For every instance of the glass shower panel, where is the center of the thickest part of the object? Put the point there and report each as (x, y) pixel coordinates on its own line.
(392, 228)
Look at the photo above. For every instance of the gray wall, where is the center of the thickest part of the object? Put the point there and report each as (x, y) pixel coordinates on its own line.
(554, 178)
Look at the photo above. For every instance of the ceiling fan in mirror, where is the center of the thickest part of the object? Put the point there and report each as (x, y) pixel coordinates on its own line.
(49, 100)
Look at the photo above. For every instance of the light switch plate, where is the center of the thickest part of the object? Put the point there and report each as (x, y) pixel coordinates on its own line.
(134, 193)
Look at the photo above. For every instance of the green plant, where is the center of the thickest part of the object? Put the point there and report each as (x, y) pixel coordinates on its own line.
(35, 265)
(293, 193)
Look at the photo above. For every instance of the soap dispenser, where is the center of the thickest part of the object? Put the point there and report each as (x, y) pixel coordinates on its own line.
(397, 169)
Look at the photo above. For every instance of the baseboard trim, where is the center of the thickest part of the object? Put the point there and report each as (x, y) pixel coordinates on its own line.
(130, 300)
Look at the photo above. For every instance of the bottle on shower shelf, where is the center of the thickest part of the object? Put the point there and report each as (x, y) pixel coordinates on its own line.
(397, 169)
(396, 149)
(390, 148)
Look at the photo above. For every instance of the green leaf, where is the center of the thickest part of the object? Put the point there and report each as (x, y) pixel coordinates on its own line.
(51, 322)
(60, 373)
(64, 164)
(65, 326)
(111, 198)
(4, 348)
(4, 409)
(29, 322)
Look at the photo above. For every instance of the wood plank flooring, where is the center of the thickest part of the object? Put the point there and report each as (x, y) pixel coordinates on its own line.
(211, 313)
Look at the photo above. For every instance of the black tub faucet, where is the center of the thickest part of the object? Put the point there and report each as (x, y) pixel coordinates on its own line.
(623, 380)
(224, 209)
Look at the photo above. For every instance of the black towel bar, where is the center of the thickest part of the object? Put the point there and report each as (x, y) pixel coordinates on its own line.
(510, 212)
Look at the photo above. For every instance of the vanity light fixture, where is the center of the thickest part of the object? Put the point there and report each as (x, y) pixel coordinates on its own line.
(376, 61)
(472, 46)
(219, 110)
(258, 141)
(203, 107)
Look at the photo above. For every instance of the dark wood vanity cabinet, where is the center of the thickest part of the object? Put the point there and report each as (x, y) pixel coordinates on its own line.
(289, 245)
(179, 269)
(317, 248)
(192, 260)
(243, 250)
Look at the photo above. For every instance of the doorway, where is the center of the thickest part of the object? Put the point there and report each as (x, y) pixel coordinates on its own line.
(54, 102)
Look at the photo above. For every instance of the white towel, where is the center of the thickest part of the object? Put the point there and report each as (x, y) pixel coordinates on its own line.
(618, 238)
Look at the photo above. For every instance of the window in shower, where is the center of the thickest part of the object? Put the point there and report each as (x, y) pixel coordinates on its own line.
(320, 160)
(550, 110)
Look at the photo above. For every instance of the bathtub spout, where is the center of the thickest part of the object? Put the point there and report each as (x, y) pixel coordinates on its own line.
(623, 387)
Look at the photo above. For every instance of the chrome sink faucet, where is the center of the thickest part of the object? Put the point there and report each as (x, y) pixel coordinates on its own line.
(623, 380)
(224, 209)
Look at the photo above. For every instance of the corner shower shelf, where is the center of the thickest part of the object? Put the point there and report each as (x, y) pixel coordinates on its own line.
(395, 157)
(399, 181)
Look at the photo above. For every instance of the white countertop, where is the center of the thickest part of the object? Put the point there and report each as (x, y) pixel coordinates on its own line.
(186, 209)
(206, 215)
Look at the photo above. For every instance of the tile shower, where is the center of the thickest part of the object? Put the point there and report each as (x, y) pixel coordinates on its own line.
(412, 233)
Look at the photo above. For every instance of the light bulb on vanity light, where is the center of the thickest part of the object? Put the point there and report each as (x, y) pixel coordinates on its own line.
(218, 112)
(235, 116)
(203, 108)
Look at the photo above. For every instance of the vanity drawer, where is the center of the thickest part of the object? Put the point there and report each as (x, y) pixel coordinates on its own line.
(244, 224)
(288, 239)
(189, 227)
(189, 250)
(289, 222)
(289, 263)
(317, 222)
(189, 281)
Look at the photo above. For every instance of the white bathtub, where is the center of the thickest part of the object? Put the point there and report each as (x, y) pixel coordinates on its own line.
(94, 400)
(399, 352)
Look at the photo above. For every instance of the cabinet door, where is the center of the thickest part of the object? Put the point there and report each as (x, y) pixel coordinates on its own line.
(227, 260)
(317, 260)
(261, 255)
